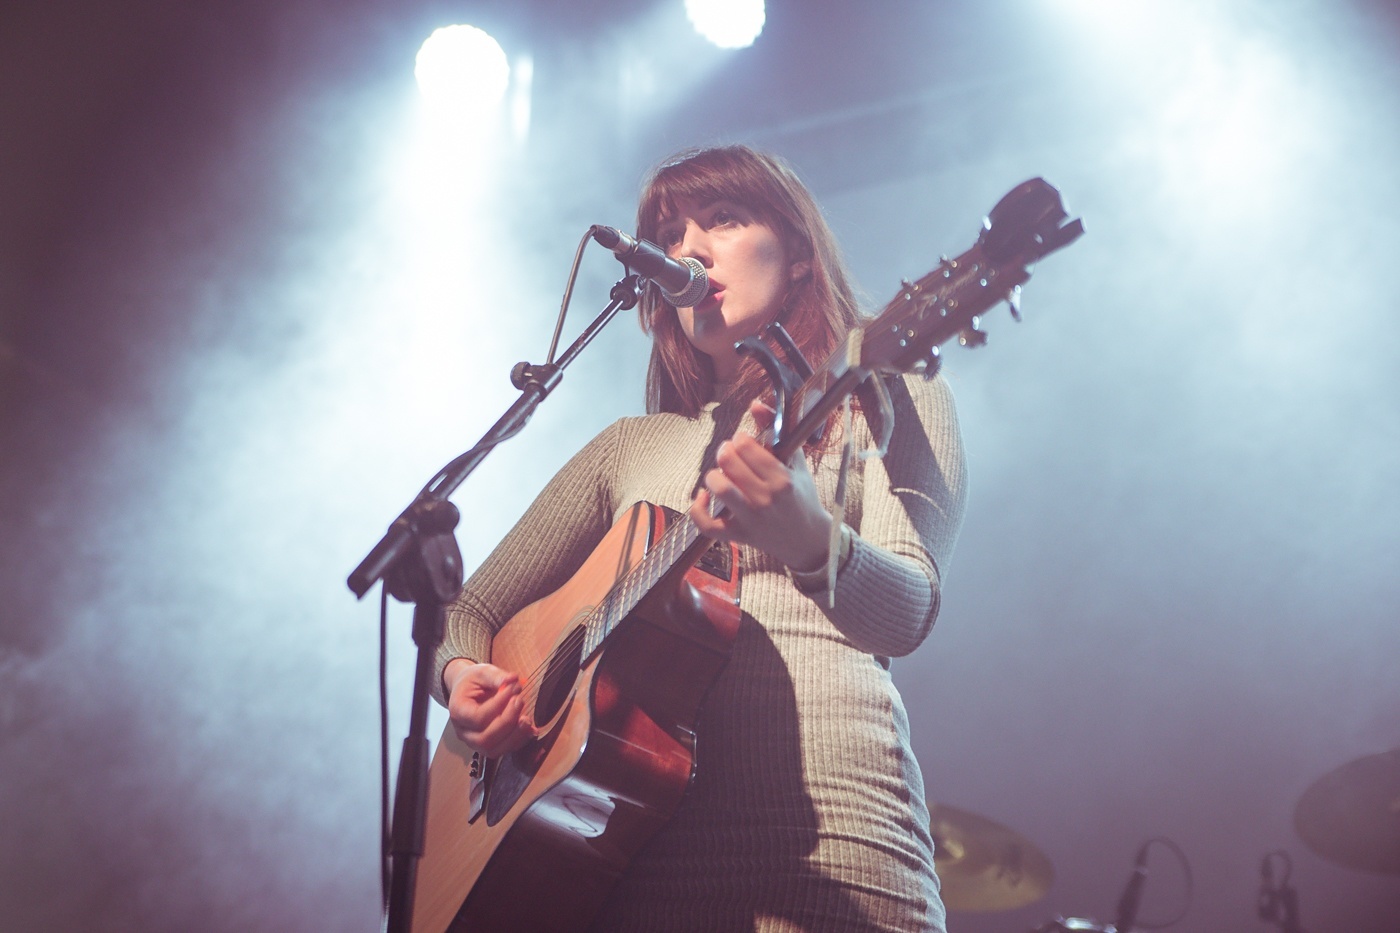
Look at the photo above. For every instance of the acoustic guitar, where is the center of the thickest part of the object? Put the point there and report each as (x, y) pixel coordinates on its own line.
(535, 840)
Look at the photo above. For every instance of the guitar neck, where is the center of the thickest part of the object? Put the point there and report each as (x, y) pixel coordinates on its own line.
(679, 548)
(819, 396)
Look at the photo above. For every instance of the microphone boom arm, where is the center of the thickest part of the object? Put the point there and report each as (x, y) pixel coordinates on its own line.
(539, 381)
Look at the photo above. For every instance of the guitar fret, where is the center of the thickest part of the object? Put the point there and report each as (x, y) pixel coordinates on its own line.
(619, 601)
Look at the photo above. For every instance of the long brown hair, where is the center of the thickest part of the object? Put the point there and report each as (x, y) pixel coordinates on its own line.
(819, 308)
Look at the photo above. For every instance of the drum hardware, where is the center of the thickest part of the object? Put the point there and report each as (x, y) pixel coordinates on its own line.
(1351, 815)
(1130, 900)
(1278, 903)
(983, 866)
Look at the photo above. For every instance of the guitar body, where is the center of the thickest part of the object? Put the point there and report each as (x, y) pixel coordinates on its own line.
(614, 754)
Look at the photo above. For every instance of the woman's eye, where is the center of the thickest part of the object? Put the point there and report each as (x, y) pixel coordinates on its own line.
(669, 238)
(721, 218)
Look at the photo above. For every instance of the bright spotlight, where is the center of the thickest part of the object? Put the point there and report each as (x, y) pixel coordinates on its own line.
(462, 70)
(729, 24)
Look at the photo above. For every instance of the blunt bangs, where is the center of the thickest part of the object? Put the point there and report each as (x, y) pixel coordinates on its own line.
(708, 175)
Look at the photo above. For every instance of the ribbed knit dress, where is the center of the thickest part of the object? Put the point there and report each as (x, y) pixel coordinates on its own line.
(807, 809)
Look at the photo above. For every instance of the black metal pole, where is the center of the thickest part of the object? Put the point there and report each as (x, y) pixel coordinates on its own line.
(411, 790)
(419, 562)
(540, 381)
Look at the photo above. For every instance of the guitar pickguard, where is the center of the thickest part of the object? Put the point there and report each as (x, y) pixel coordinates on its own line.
(557, 685)
(514, 772)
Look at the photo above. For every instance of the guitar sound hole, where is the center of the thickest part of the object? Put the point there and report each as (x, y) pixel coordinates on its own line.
(557, 682)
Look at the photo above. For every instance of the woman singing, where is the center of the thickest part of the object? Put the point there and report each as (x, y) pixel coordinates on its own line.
(806, 812)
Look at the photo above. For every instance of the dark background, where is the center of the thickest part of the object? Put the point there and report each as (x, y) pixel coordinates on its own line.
(247, 309)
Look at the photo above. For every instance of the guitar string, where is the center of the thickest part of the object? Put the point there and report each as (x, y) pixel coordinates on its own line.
(606, 612)
(652, 566)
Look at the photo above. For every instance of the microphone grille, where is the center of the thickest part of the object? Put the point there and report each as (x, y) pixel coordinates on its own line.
(699, 286)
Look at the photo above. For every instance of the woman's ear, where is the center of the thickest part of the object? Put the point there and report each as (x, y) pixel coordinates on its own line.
(799, 270)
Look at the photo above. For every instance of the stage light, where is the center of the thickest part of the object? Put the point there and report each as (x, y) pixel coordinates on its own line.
(462, 70)
(729, 24)
(522, 85)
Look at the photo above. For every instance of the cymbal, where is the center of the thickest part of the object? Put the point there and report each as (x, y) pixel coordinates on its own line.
(1352, 815)
(983, 865)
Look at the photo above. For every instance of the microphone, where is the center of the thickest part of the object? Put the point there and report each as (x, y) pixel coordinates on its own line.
(1132, 893)
(683, 282)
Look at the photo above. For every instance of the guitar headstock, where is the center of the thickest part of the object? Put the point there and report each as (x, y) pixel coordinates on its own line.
(1026, 224)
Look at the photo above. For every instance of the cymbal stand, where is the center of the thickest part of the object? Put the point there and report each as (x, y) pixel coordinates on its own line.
(1278, 904)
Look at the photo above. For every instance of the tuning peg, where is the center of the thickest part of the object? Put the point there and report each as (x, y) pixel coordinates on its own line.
(973, 336)
(929, 366)
(1013, 301)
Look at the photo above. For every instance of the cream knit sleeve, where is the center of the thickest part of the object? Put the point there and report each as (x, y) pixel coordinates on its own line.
(549, 543)
(887, 592)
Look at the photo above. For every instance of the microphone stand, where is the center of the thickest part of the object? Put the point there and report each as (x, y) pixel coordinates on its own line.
(419, 562)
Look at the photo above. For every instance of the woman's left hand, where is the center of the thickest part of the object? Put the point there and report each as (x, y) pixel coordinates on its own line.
(769, 505)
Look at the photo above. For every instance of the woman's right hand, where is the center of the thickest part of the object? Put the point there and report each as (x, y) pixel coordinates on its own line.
(486, 707)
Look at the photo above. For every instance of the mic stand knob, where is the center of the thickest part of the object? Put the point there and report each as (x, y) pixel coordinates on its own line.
(525, 372)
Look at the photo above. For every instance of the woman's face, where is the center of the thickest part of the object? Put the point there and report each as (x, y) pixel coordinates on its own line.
(749, 273)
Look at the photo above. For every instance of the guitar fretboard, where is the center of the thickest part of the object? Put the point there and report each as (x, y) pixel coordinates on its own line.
(676, 543)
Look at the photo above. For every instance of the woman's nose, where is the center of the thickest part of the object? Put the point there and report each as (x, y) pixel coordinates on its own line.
(695, 243)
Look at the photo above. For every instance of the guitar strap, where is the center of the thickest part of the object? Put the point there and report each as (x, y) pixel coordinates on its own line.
(838, 547)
